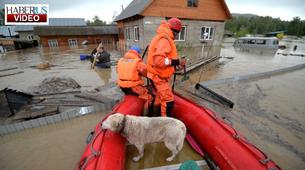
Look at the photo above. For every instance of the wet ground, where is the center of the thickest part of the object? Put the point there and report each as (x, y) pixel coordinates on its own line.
(269, 112)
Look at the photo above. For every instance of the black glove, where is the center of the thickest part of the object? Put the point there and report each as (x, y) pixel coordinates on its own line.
(175, 62)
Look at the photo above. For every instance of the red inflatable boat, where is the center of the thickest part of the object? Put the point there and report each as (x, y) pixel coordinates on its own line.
(228, 149)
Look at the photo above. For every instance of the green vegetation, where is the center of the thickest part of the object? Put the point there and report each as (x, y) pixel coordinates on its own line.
(242, 25)
(96, 21)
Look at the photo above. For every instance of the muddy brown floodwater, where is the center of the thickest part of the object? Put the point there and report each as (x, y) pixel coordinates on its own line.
(64, 62)
(269, 112)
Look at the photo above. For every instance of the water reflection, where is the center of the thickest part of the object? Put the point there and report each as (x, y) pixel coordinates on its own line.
(104, 74)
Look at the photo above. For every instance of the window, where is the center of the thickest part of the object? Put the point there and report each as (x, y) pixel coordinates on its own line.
(30, 37)
(260, 42)
(181, 35)
(207, 33)
(72, 43)
(136, 33)
(251, 42)
(106, 42)
(127, 33)
(192, 3)
(53, 43)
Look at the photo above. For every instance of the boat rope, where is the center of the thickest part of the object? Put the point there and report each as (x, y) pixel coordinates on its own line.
(263, 160)
(83, 163)
(94, 153)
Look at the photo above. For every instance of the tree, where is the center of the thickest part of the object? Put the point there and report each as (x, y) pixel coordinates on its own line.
(96, 21)
(242, 25)
(295, 27)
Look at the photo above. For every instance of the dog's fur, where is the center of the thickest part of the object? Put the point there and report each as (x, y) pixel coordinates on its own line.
(141, 130)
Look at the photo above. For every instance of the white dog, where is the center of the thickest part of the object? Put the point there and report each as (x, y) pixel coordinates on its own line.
(141, 130)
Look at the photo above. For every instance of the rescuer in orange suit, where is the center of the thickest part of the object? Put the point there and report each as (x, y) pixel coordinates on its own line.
(161, 62)
(130, 69)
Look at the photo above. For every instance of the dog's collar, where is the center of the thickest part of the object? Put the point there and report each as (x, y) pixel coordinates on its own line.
(123, 125)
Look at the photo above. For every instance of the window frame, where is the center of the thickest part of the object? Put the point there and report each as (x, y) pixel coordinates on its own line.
(193, 3)
(179, 35)
(30, 37)
(127, 32)
(72, 42)
(53, 43)
(210, 36)
(138, 37)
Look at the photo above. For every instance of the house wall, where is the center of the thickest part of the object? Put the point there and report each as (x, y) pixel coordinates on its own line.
(23, 35)
(131, 25)
(109, 41)
(194, 48)
(6, 45)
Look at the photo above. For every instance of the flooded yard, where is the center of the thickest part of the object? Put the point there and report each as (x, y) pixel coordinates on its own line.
(270, 112)
(64, 62)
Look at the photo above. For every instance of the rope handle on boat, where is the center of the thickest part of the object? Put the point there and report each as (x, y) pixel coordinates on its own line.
(263, 160)
(94, 153)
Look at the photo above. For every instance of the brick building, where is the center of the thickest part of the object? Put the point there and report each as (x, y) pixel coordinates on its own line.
(52, 36)
(26, 32)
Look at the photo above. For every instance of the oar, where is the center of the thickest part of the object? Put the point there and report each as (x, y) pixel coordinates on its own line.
(94, 61)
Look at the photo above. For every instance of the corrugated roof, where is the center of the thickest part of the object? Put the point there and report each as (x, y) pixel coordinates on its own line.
(134, 8)
(76, 30)
(55, 22)
(5, 31)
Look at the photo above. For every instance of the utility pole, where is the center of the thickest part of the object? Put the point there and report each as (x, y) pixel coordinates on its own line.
(9, 31)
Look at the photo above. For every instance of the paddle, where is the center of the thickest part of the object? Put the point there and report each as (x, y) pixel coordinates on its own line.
(94, 60)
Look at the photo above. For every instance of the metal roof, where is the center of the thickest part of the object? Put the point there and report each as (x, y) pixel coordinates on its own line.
(257, 38)
(5, 31)
(76, 30)
(134, 8)
(55, 22)
(138, 6)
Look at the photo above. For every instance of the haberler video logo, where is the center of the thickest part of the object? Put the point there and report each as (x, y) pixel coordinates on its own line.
(26, 14)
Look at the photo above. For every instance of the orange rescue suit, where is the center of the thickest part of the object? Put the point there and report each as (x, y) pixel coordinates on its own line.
(162, 50)
(128, 73)
(164, 32)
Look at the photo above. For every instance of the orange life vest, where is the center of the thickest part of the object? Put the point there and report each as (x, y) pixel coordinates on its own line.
(163, 32)
(127, 70)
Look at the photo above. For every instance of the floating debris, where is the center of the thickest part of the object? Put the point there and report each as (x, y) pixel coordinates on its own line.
(11, 101)
(55, 85)
(43, 65)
